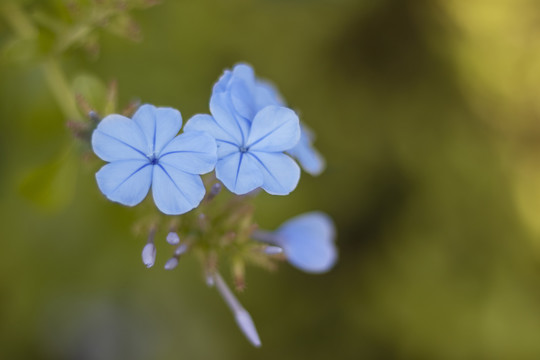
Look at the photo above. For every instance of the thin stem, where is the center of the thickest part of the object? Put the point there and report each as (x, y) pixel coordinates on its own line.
(265, 236)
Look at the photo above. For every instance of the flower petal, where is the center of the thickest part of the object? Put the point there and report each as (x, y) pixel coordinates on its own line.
(193, 152)
(266, 94)
(126, 182)
(244, 72)
(239, 172)
(223, 82)
(308, 242)
(223, 113)
(242, 91)
(118, 138)
(243, 98)
(224, 149)
(274, 128)
(159, 126)
(206, 123)
(280, 173)
(176, 192)
(308, 157)
(247, 93)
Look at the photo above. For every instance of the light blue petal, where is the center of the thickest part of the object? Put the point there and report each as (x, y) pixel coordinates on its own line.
(244, 72)
(247, 93)
(224, 149)
(118, 138)
(193, 152)
(242, 91)
(223, 82)
(205, 122)
(225, 117)
(308, 242)
(241, 72)
(176, 192)
(308, 157)
(126, 182)
(243, 98)
(239, 172)
(266, 94)
(274, 128)
(159, 126)
(280, 173)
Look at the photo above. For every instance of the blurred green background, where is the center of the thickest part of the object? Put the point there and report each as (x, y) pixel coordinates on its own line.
(428, 114)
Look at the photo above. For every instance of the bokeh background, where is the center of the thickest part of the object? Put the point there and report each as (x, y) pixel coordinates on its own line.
(428, 114)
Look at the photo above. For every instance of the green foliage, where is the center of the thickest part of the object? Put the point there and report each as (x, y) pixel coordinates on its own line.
(51, 186)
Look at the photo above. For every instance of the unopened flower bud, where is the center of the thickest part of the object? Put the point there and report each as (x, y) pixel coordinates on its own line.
(242, 317)
(209, 280)
(92, 115)
(181, 249)
(273, 250)
(214, 190)
(173, 238)
(149, 255)
(171, 263)
(245, 323)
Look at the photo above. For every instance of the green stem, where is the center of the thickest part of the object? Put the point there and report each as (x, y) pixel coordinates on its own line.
(60, 88)
(18, 20)
(54, 75)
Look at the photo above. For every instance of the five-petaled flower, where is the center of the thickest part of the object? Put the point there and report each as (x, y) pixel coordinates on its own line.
(145, 151)
(252, 134)
(248, 95)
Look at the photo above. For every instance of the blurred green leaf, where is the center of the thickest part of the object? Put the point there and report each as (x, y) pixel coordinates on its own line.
(52, 185)
(20, 51)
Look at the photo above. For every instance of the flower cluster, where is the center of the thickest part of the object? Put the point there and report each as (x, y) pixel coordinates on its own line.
(249, 141)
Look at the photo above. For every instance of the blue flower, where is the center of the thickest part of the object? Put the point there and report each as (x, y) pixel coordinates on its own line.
(250, 144)
(248, 95)
(308, 242)
(146, 152)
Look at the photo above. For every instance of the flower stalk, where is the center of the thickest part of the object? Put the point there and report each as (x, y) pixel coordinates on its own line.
(242, 317)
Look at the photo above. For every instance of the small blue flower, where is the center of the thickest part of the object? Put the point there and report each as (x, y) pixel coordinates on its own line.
(146, 152)
(249, 94)
(250, 144)
(308, 242)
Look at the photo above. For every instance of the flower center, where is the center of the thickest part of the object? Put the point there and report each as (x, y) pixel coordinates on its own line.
(243, 149)
(153, 159)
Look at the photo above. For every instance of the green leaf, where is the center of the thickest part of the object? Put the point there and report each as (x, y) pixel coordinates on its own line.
(20, 51)
(51, 186)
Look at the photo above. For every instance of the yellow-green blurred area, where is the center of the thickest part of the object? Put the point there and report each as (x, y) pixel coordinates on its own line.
(428, 115)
